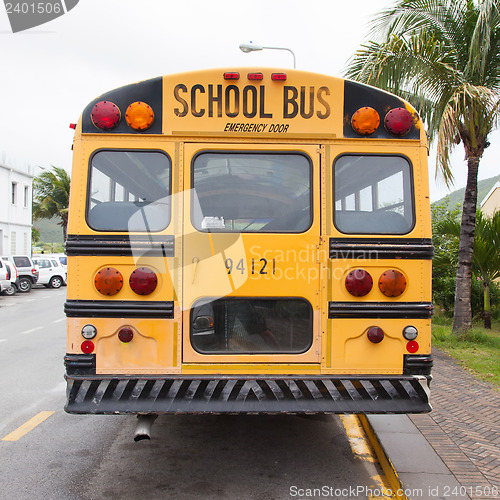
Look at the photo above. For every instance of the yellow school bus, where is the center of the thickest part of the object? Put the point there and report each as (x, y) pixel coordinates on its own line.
(249, 241)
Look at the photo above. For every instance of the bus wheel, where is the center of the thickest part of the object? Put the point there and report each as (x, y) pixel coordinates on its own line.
(24, 285)
(56, 282)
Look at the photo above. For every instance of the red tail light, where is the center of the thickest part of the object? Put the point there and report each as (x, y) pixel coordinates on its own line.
(359, 282)
(143, 281)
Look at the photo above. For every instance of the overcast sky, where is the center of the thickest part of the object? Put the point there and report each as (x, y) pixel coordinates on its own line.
(49, 73)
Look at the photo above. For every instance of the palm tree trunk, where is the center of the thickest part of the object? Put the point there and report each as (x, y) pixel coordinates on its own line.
(487, 306)
(462, 317)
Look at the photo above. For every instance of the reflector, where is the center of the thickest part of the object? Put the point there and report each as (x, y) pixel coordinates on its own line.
(412, 346)
(105, 115)
(87, 347)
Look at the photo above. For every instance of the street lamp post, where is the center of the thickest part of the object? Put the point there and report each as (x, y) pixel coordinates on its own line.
(252, 47)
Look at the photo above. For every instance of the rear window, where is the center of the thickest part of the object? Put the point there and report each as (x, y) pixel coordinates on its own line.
(129, 191)
(251, 325)
(373, 194)
(20, 261)
(250, 192)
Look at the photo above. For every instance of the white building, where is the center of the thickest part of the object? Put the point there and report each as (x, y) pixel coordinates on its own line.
(16, 194)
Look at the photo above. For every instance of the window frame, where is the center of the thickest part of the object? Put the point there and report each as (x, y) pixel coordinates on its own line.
(411, 187)
(89, 185)
(262, 152)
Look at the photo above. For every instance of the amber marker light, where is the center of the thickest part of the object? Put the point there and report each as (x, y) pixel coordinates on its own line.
(365, 121)
(392, 283)
(359, 282)
(105, 115)
(108, 281)
(398, 121)
(139, 115)
(143, 281)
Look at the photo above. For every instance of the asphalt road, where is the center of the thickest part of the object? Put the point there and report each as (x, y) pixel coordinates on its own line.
(189, 457)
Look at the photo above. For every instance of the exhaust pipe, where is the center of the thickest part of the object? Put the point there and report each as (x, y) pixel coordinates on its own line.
(143, 427)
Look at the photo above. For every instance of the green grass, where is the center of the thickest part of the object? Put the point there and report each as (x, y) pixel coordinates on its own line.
(478, 351)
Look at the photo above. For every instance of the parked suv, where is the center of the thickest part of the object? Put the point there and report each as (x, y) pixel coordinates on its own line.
(28, 274)
(14, 279)
(4, 277)
(51, 271)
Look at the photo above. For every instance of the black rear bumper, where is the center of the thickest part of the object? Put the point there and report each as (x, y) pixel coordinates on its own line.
(101, 394)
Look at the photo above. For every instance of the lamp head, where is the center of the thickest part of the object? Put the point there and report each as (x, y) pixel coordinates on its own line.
(250, 47)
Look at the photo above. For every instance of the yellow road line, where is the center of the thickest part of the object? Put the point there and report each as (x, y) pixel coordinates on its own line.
(28, 426)
(362, 450)
(385, 463)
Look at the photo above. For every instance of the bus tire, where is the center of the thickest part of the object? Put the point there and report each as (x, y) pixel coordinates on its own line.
(56, 282)
(25, 285)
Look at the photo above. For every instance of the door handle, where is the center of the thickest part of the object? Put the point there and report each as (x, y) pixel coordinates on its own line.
(195, 261)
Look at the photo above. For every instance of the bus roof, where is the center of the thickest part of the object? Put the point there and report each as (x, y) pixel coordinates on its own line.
(250, 102)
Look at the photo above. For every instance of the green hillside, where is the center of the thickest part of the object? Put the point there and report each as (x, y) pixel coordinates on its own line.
(457, 197)
(50, 231)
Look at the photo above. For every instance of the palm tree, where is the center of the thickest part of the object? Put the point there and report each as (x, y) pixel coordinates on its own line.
(486, 255)
(444, 57)
(51, 196)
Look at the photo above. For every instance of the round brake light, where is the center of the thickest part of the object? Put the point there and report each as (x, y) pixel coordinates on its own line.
(105, 115)
(126, 335)
(108, 281)
(139, 115)
(143, 281)
(365, 121)
(359, 282)
(392, 283)
(398, 121)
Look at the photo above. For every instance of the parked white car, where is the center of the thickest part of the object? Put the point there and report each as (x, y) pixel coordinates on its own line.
(51, 272)
(63, 260)
(26, 270)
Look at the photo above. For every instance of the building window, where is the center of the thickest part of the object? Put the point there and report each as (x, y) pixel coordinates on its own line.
(26, 244)
(13, 194)
(26, 196)
(13, 245)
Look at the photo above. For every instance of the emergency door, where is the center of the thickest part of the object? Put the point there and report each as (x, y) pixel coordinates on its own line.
(250, 262)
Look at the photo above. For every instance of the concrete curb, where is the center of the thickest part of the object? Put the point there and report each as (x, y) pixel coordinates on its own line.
(410, 463)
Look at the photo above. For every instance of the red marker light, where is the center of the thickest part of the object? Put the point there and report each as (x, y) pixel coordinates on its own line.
(231, 76)
(126, 335)
(412, 346)
(375, 334)
(255, 76)
(359, 282)
(87, 347)
(398, 121)
(72, 125)
(105, 115)
(280, 77)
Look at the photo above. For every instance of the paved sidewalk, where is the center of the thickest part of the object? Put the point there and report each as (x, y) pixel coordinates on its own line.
(464, 427)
